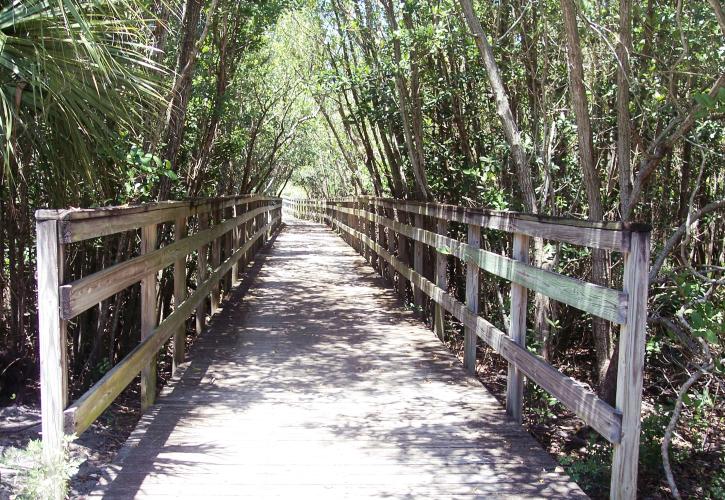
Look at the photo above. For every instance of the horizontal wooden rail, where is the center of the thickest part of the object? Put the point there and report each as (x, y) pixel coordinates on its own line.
(82, 224)
(575, 396)
(607, 236)
(81, 414)
(232, 227)
(621, 424)
(595, 299)
(84, 293)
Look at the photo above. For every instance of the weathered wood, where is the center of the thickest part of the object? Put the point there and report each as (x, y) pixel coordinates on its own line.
(202, 272)
(88, 407)
(81, 224)
(52, 333)
(216, 255)
(402, 248)
(472, 283)
(235, 235)
(148, 318)
(608, 236)
(517, 332)
(574, 395)
(418, 263)
(390, 239)
(323, 402)
(86, 292)
(630, 370)
(179, 294)
(441, 279)
(228, 243)
(382, 240)
(595, 299)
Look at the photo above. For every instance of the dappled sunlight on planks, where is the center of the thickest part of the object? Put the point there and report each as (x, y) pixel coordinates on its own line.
(313, 382)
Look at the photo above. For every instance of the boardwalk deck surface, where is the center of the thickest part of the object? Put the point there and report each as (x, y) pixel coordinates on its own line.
(314, 383)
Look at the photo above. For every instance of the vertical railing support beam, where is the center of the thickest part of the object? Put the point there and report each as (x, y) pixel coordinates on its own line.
(179, 294)
(203, 255)
(441, 278)
(630, 369)
(216, 253)
(517, 332)
(418, 295)
(52, 331)
(148, 317)
(472, 279)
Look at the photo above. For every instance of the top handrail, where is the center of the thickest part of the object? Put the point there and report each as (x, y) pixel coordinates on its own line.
(78, 224)
(614, 236)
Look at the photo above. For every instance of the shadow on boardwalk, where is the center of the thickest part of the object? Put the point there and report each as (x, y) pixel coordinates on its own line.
(314, 383)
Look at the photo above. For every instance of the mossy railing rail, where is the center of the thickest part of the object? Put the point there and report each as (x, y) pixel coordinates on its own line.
(382, 230)
(230, 228)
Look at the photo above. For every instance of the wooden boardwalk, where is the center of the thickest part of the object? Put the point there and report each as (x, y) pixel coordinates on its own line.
(313, 382)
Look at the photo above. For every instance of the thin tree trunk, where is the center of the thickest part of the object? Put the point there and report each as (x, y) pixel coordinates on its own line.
(592, 182)
(510, 128)
(624, 147)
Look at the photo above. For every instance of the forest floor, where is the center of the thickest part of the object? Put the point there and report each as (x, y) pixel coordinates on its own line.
(586, 456)
(93, 450)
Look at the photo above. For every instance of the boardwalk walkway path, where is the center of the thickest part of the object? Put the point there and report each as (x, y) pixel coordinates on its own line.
(314, 383)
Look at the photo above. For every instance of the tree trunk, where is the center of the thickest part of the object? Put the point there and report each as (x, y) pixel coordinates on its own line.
(510, 128)
(592, 183)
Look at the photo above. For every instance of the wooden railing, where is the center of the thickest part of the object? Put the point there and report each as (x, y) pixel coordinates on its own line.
(381, 230)
(232, 227)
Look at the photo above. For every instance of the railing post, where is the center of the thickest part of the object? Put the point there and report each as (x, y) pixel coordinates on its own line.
(202, 272)
(52, 331)
(441, 277)
(472, 278)
(216, 250)
(235, 245)
(148, 317)
(403, 257)
(382, 240)
(246, 234)
(517, 332)
(630, 369)
(179, 294)
(390, 242)
(418, 294)
(228, 249)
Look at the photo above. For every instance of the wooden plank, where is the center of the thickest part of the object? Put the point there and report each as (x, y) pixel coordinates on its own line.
(81, 224)
(81, 414)
(195, 205)
(406, 421)
(630, 370)
(202, 272)
(574, 395)
(179, 294)
(472, 284)
(390, 235)
(382, 240)
(595, 299)
(418, 263)
(227, 244)
(149, 289)
(216, 255)
(441, 280)
(235, 234)
(517, 332)
(402, 248)
(608, 236)
(52, 338)
(86, 292)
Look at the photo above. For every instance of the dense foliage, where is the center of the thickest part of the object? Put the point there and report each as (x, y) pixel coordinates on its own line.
(605, 111)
